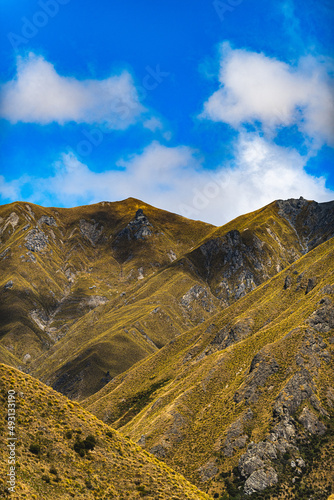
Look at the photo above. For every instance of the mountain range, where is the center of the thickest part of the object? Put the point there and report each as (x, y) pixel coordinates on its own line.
(208, 349)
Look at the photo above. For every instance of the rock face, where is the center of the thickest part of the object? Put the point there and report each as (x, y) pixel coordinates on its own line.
(232, 334)
(197, 294)
(262, 367)
(91, 231)
(36, 240)
(138, 229)
(49, 221)
(314, 222)
(311, 423)
(260, 479)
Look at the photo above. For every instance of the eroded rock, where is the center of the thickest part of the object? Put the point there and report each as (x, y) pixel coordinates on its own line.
(49, 221)
(139, 228)
(91, 230)
(36, 240)
(260, 479)
(311, 423)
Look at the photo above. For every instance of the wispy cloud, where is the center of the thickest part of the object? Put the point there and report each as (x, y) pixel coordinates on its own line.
(174, 178)
(254, 88)
(38, 94)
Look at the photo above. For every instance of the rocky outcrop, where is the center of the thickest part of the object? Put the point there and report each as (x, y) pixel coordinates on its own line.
(236, 437)
(198, 295)
(311, 423)
(91, 230)
(36, 240)
(229, 335)
(139, 228)
(322, 320)
(260, 479)
(8, 285)
(257, 464)
(313, 222)
(262, 367)
(49, 221)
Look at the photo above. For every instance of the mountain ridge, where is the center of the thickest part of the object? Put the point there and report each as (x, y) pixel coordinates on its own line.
(185, 336)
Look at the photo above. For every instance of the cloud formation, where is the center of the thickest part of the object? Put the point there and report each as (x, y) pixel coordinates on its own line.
(256, 88)
(173, 178)
(38, 94)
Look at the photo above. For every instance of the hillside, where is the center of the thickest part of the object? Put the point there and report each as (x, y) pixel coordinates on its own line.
(214, 343)
(250, 390)
(53, 463)
(88, 292)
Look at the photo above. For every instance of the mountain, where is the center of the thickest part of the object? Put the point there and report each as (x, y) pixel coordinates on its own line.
(64, 452)
(214, 343)
(248, 394)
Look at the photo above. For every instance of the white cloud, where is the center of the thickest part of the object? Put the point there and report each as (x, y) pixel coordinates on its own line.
(153, 124)
(254, 87)
(38, 94)
(173, 178)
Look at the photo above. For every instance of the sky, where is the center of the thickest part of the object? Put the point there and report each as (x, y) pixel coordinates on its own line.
(209, 109)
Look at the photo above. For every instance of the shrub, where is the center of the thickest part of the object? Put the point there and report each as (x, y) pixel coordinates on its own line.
(46, 478)
(35, 448)
(82, 446)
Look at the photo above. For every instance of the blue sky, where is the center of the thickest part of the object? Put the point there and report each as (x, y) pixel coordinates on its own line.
(205, 108)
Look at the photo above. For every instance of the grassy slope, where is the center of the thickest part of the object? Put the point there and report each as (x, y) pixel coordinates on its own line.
(191, 412)
(55, 287)
(116, 468)
(123, 324)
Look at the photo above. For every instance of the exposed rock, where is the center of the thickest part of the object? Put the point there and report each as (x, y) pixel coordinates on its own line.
(36, 240)
(93, 301)
(310, 285)
(312, 221)
(8, 285)
(50, 221)
(158, 450)
(208, 471)
(262, 367)
(311, 423)
(142, 441)
(139, 228)
(287, 282)
(4, 254)
(299, 388)
(26, 358)
(230, 335)
(260, 479)
(31, 257)
(312, 352)
(199, 295)
(322, 320)
(12, 220)
(91, 230)
(171, 255)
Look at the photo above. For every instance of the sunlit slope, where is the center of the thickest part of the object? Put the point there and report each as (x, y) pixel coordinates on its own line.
(259, 371)
(57, 265)
(224, 266)
(55, 462)
(88, 292)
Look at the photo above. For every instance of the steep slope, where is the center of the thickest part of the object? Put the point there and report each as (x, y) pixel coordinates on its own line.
(224, 266)
(88, 292)
(63, 452)
(62, 265)
(248, 394)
